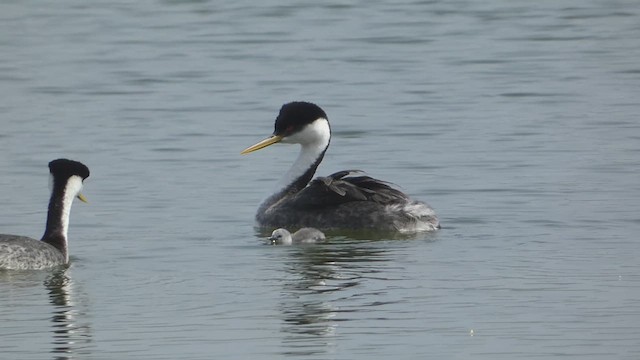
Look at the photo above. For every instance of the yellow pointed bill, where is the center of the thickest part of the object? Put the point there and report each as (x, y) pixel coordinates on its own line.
(262, 144)
(82, 198)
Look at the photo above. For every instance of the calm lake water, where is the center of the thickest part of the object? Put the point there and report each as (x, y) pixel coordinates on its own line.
(516, 120)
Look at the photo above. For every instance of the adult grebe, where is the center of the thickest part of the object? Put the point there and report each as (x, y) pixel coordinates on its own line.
(306, 235)
(24, 253)
(345, 200)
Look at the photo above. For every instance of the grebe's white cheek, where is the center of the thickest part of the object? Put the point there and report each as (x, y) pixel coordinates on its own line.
(289, 140)
(317, 133)
(74, 185)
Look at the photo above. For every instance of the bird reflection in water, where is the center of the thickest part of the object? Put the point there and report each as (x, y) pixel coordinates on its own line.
(70, 340)
(318, 277)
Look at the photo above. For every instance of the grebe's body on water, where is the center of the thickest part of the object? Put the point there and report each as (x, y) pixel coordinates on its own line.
(24, 253)
(305, 235)
(346, 200)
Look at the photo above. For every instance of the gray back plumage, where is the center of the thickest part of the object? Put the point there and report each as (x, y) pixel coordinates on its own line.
(24, 253)
(308, 235)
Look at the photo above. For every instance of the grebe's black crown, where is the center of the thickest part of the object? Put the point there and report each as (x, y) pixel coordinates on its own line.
(64, 168)
(295, 115)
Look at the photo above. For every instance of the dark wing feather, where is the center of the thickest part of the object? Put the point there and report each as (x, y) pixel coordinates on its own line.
(342, 187)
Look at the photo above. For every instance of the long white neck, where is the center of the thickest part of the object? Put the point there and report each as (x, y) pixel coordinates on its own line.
(314, 140)
(62, 196)
(74, 185)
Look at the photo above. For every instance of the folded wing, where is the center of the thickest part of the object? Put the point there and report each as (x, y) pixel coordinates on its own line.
(343, 187)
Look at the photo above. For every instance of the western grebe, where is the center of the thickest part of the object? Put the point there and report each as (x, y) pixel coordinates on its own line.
(306, 235)
(345, 200)
(24, 253)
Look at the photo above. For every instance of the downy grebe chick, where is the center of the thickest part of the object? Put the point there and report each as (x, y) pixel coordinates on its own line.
(24, 253)
(306, 235)
(344, 200)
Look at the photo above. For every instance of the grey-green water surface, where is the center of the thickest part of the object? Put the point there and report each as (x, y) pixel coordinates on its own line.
(516, 120)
